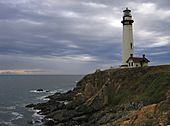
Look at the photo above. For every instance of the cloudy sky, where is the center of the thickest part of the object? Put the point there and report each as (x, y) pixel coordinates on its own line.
(78, 36)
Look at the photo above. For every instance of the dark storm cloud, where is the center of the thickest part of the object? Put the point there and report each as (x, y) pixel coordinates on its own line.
(53, 34)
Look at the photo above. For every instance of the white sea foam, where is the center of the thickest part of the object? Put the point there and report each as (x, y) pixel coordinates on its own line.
(60, 90)
(46, 99)
(57, 90)
(54, 91)
(43, 98)
(49, 91)
(50, 119)
(66, 102)
(35, 91)
(37, 118)
(16, 116)
(36, 115)
(36, 110)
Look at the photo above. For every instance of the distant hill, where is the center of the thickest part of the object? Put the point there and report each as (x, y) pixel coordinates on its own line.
(115, 97)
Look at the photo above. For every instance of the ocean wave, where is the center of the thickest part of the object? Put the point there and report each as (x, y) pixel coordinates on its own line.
(11, 107)
(44, 98)
(4, 112)
(58, 90)
(54, 91)
(36, 111)
(48, 91)
(16, 116)
(8, 108)
(37, 118)
(35, 91)
(7, 123)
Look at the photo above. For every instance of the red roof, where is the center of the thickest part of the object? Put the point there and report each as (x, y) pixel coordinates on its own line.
(138, 59)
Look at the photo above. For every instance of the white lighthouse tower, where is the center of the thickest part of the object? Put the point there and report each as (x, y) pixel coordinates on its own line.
(127, 50)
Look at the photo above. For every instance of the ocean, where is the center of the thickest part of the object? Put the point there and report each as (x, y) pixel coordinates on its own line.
(17, 91)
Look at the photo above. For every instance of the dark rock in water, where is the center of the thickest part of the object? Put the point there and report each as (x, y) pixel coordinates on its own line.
(68, 96)
(30, 106)
(30, 122)
(47, 91)
(37, 121)
(40, 90)
(49, 107)
(49, 122)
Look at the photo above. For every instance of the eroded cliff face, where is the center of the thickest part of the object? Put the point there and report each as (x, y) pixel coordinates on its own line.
(114, 97)
(138, 96)
(149, 115)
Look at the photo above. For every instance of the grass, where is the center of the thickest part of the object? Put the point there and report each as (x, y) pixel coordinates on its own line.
(156, 89)
(150, 88)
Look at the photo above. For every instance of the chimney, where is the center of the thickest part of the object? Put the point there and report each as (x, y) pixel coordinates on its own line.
(131, 55)
(143, 56)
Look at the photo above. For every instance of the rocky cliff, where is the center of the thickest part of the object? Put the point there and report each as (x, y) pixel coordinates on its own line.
(114, 97)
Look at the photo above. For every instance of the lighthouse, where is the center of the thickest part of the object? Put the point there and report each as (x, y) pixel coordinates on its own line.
(127, 49)
(128, 59)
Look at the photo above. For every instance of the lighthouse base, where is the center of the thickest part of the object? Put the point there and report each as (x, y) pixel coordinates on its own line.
(123, 66)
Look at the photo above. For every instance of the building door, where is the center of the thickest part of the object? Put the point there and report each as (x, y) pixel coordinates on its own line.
(141, 63)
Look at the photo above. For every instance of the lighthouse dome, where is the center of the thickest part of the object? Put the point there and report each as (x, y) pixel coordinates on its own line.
(127, 12)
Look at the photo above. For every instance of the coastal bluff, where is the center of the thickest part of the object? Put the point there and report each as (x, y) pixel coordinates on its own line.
(114, 97)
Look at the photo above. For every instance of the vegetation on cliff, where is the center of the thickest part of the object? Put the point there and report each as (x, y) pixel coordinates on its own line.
(131, 96)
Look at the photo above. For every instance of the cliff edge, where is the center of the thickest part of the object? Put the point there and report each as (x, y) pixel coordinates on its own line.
(113, 97)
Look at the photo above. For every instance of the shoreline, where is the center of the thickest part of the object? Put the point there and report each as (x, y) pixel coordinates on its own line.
(112, 97)
(57, 101)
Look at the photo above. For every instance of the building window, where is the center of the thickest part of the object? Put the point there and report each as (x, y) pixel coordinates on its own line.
(136, 65)
(131, 46)
(131, 63)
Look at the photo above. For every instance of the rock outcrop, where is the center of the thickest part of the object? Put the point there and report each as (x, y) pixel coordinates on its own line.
(114, 97)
